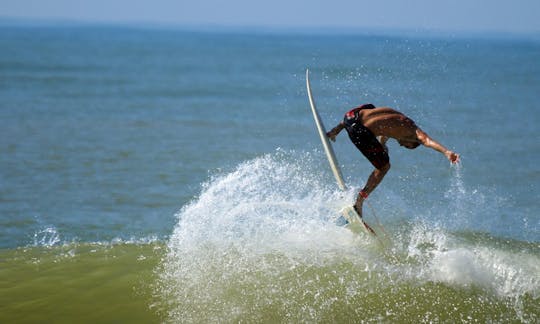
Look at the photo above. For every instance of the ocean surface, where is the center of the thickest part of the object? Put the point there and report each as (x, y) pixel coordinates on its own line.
(162, 175)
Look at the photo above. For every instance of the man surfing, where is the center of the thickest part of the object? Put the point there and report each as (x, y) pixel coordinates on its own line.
(366, 123)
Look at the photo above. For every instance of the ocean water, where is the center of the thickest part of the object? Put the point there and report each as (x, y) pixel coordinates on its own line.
(154, 175)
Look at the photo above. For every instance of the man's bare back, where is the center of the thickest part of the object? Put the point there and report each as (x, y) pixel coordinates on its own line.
(389, 122)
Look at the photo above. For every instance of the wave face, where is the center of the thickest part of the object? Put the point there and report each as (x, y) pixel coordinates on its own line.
(260, 244)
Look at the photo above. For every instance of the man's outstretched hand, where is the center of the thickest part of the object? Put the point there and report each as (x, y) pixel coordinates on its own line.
(452, 157)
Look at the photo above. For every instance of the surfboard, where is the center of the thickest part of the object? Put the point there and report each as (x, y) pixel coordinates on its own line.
(324, 139)
(353, 219)
(348, 213)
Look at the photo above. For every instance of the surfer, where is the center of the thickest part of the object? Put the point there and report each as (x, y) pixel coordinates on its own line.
(369, 129)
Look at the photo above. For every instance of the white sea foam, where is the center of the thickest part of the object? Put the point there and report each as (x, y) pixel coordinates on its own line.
(271, 218)
(448, 258)
(47, 237)
(267, 204)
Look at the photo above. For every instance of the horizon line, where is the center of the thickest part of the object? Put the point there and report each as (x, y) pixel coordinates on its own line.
(6, 21)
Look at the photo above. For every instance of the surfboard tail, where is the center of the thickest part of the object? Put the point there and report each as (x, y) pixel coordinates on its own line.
(352, 217)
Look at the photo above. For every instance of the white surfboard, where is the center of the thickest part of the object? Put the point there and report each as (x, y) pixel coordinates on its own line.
(324, 139)
(353, 219)
(348, 213)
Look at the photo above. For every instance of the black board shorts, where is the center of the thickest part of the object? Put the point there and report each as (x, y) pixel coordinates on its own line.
(368, 144)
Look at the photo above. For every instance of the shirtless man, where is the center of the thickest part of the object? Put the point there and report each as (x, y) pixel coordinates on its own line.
(365, 123)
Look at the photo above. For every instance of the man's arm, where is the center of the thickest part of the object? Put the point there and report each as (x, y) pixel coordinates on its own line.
(429, 142)
(335, 131)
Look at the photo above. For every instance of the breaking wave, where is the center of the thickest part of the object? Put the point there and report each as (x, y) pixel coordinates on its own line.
(260, 244)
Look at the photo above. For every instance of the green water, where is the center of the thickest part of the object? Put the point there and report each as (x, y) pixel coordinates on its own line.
(78, 283)
(133, 283)
(231, 287)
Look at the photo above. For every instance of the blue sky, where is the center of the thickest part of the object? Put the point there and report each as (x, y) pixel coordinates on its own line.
(437, 15)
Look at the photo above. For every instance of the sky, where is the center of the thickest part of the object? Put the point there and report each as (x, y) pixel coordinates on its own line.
(511, 16)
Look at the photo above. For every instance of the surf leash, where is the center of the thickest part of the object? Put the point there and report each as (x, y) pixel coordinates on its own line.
(376, 218)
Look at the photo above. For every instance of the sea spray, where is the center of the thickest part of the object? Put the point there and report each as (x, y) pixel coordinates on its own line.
(259, 244)
(47, 237)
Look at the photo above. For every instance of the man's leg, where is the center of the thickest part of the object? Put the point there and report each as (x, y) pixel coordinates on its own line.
(373, 181)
